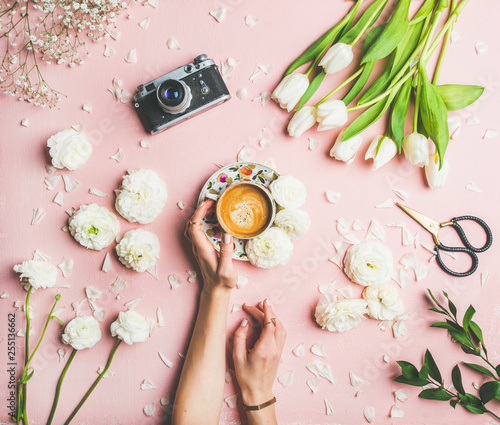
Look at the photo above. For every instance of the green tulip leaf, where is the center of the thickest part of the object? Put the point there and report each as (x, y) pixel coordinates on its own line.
(424, 11)
(435, 120)
(392, 35)
(398, 113)
(315, 83)
(458, 96)
(456, 377)
(367, 118)
(360, 83)
(435, 394)
(368, 18)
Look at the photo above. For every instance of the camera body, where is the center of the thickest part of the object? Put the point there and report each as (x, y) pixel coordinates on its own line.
(180, 94)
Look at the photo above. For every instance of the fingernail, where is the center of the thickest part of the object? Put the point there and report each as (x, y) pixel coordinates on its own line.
(268, 303)
(226, 238)
(203, 203)
(244, 322)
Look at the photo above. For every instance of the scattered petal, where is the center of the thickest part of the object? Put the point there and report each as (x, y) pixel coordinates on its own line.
(402, 395)
(152, 3)
(109, 51)
(164, 401)
(58, 199)
(76, 304)
(97, 192)
(484, 278)
(476, 385)
(66, 266)
(219, 14)
(153, 271)
(144, 24)
(337, 260)
(358, 393)
(100, 314)
(397, 411)
(108, 373)
(144, 144)
(332, 197)
(167, 362)
(231, 401)
(173, 44)
(299, 350)
(193, 275)
(233, 62)
(50, 169)
(118, 156)
(369, 414)
(147, 385)
(264, 96)
(236, 307)
(4, 295)
(456, 36)
(87, 108)
(61, 352)
(387, 204)
(256, 73)
(131, 57)
(77, 127)
(351, 238)
(327, 288)
(264, 143)
(490, 133)
(175, 281)
(181, 205)
(38, 214)
(346, 291)
(313, 143)
(115, 35)
(159, 318)
(313, 384)
(152, 324)
(318, 350)
(406, 237)
(386, 358)
(242, 93)
(401, 194)
(250, 20)
(25, 122)
(70, 183)
(472, 120)
(341, 246)
(149, 409)
(329, 409)
(286, 379)
(131, 304)
(399, 329)
(244, 155)
(92, 293)
(481, 47)
(126, 97)
(357, 225)
(472, 187)
(40, 256)
(421, 272)
(355, 381)
(343, 226)
(118, 285)
(266, 68)
(376, 230)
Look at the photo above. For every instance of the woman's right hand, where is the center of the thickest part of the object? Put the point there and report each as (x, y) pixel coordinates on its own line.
(256, 368)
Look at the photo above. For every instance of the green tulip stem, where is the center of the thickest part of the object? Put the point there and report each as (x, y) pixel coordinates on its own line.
(446, 43)
(24, 385)
(336, 89)
(417, 102)
(57, 298)
(59, 385)
(368, 24)
(101, 375)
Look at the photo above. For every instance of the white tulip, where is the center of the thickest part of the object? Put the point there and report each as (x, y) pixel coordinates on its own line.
(416, 149)
(290, 90)
(436, 177)
(385, 153)
(302, 121)
(346, 150)
(331, 114)
(338, 57)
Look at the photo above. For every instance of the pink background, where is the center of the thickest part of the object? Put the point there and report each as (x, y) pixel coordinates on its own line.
(183, 157)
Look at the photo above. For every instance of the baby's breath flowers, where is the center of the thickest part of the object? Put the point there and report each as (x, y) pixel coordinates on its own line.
(51, 31)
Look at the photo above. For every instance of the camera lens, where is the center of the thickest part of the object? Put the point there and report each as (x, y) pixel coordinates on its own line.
(174, 96)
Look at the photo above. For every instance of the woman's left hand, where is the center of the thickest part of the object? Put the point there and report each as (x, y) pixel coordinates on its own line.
(217, 268)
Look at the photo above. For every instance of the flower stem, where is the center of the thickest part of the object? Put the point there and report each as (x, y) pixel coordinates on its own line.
(86, 396)
(59, 384)
(26, 356)
(368, 24)
(417, 102)
(335, 90)
(446, 43)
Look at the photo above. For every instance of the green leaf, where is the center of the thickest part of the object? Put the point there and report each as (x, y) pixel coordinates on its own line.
(398, 113)
(479, 368)
(408, 370)
(444, 325)
(458, 96)
(367, 19)
(27, 377)
(453, 403)
(415, 382)
(470, 350)
(315, 83)
(367, 118)
(489, 391)
(435, 300)
(435, 394)
(461, 337)
(435, 119)
(360, 83)
(472, 404)
(456, 377)
(392, 35)
(347, 26)
(437, 310)
(468, 317)
(498, 370)
(474, 409)
(476, 330)
(426, 8)
(433, 369)
(424, 372)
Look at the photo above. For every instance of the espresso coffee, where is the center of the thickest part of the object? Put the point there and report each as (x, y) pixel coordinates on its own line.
(244, 210)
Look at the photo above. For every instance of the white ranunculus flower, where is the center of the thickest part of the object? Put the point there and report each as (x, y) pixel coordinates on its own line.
(93, 226)
(141, 196)
(270, 249)
(294, 222)
(416, 149)
(383, 302)
(37, 274)
(368, 263)
(82, 332)
(339, 315)
(385, 152)
(138, 250)
(288, 192)
(290, 90)
(436, 177)
(69, 149)
(346, 150)
(331, 114)
(130, 327)
(338, 57)
(302, 121)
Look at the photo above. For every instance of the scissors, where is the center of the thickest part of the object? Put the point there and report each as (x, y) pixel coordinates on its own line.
(433, 227)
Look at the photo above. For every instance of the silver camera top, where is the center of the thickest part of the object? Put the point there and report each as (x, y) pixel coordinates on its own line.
(200, 62)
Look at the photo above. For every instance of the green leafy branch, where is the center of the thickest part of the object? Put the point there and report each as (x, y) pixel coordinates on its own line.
(469, 335)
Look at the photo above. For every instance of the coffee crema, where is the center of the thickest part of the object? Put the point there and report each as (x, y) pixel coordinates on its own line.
(244, 210)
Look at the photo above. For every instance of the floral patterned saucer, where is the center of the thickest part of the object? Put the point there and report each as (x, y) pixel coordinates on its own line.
(260, 173)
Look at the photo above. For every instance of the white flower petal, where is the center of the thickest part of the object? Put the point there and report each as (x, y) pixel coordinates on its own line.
(175, 280)
(144, 144)
(369, 414)
(66, 266)
(153, 271)
(397, 411)
(402, 395)
(173, 44)
(313, 384)
(131, 304)
(343, 226)
(481, 47)
(167, 362)
(346, 291)
(152, 3)
(389, 203)
(144, 24)
(242, 93)
(219, 14)
(231, 401)
(244, 155)
(376, 230)
(337, 260)
(472, 120)
(126, 97)
(256, 74)
(109, 51)
(118, 156)
(490, 133)
(484, 278)
(313, 143)
(70, 183)
(401, 194)
(386, 358)
(92, 293)
(193, 275)
(236, 307)
(147, 385)
(250, 20)
(38, 214)
(286, 379)
(456, 36)
(299, 350)
(472, 187)
(327, 288)
(131, 56)
(58, 199)
(97, 192)
(115, 35)
(61, 352)
(357, 225)
(118, 285)
(108, 373)
(318, 350)
(332, 197)
(149, 410)
(355, 381)
(164, 401)
(181, 205)
(87, 108)
(229, 375)
(52, 181)
(100, 315)
(4, 295)
(329, 408)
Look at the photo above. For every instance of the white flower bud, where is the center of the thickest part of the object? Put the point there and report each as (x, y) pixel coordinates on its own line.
(346, 150)
(331, 114)
(302, 121)
(290, 90)
(385, 153)
(434, 176)
(338, 57)
(416, 149)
